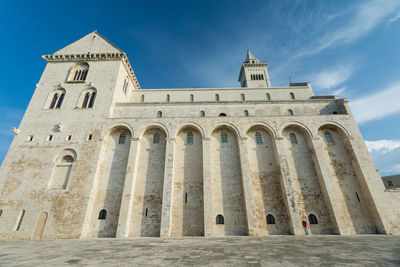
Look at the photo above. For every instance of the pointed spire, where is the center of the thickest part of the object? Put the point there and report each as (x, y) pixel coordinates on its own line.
(250, 58)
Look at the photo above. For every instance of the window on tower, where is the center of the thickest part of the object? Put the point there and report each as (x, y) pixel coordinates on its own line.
(79, 72)
(87, 98)
(56, 99)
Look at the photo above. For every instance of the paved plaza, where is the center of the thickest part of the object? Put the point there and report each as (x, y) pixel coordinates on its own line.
(372, 250)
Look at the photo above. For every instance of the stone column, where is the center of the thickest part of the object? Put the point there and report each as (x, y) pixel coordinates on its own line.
(248, 189)
(127, 195)
(289, 195)
(207, 189)
(329, 190)
(166, 212)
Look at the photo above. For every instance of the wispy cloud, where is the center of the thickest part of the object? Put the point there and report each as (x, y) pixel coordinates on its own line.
(395, 18)
(382, 146)
(378, 105)
(340, 90)
(331, 78)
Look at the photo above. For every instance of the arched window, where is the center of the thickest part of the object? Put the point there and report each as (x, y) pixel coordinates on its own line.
(202, 114)
(268, 96)
(191, 98)
(87, 98)
(189, 138)
(259, 140)
(292, 95)
(102, 214)
(270, 219)
(62, 169)
(262, 76)
(328, 137)
(293, 138)
(125, 87)
(156, 138)
(312, 219)
(242, 97)
(78, 72)
(290, 112)
(168, 98)
(216, 97)
(122, 139)
(142, 98)
(57, 98)
(159, 114)
(246, 113)
(219, 219)
(222, 115)
(224, 137)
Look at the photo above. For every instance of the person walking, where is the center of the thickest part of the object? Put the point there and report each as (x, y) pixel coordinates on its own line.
(305, 226)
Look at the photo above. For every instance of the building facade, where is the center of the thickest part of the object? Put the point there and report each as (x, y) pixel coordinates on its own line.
(97, 156)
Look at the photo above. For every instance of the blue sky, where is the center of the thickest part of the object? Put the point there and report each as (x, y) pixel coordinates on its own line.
(350, 48)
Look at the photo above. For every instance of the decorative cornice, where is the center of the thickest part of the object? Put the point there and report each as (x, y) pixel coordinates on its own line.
(95, 57)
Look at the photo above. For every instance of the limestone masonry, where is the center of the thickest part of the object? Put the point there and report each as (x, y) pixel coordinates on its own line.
(97, 156)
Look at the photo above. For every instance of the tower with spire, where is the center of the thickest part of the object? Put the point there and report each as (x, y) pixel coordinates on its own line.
(253, 73)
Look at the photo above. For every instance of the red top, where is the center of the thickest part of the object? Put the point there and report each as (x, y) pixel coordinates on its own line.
(304, 223)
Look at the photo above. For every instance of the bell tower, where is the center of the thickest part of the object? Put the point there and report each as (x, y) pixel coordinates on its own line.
(253, 73)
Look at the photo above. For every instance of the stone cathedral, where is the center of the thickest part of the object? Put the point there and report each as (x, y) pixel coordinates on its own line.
(97, 156)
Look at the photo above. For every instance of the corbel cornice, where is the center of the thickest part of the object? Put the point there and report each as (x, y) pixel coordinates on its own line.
(96, 57)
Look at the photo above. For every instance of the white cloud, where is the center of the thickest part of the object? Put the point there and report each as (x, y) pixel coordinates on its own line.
(331, 78)
(382, 146)
(340, 90)
(395, 18)
(378, 105)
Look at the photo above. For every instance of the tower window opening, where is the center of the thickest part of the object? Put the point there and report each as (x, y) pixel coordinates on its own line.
(216, 97)
(69, 137)
(290, 112)
(125, 87)
(168, 98)
(358, 198)
(90, 137)
(242, 97)
(202, 114)
(92, 98)
(270, 219)
(222, 115)
(145, 214)
(246, 113)
(292, 95)
(390, 183)
(49, 137)
(186, 198)
(19, 222)
(159, 114)
(142, 98)
(268, 96)
(259, 140)
(224, 137)
(191, 98)
(293, 138)
(219, 219)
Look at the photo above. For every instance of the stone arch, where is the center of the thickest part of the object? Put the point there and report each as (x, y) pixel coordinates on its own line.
(109, 181)
(187, 196)
(346, 179)
(78, 72)
(338, 125)
(107, 131)
(190, 124)
(63, 165)
(266, 126)
(298, 124)
(149, 182)
(305, 180)
(227, 125)
(227, 190)
(266, 180)
(154, 125)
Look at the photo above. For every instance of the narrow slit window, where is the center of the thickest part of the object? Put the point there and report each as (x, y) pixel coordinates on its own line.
(168, 98)
(292, 96)
(29, 138)
(216, 97)
(69, 137)
(202, 114)
(242, 97)
(159, 114)
(293, 138)
(270, 219)
(246, 113)
(49, 137)
(186, 198)
(142, 98)
(290, 112)
(358, 197)
(220, 219)
(191, 98)
(156, 138)
(1, 212)
(90, 137)
(19, 222)
(268, 96)
(189, 138)
(328, 137)
(122, 139)
(146, 211)
(224, 137)
(259, 140)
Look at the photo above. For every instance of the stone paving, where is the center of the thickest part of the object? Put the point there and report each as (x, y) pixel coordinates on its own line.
(371, 250)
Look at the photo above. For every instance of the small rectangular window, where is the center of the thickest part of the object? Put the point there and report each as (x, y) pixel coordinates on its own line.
(390, 183)
(358, 198)
(185, 197)
(90, 137)
(29, 138)
(68, 138)
(49, 137)
(21, 216)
